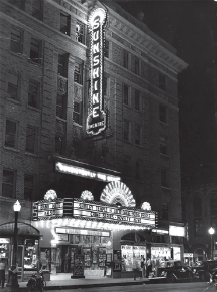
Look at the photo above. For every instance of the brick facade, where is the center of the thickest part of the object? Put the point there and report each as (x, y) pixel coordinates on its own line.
(154, 55)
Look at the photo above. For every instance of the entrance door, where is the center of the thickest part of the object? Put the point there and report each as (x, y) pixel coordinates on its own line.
(66, 252)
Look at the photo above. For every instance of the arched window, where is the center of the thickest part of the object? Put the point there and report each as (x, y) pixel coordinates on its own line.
(197, 212)
(197, 206)
(213, 210)
(199, 254)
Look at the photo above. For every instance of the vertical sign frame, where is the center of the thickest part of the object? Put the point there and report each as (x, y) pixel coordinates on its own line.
(96, 120)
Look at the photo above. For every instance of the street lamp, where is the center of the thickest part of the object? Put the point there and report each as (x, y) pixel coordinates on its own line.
(13, 279)
(211, 232)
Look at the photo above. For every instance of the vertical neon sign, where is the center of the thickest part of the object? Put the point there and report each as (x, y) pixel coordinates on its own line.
(96, 120)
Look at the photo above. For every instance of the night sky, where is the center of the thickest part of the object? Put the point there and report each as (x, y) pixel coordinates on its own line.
(190, 27)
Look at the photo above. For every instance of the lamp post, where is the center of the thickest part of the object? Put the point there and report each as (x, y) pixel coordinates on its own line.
(13, 278)
(211, 232)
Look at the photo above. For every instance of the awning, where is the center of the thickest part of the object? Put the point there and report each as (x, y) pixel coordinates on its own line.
(24, 229)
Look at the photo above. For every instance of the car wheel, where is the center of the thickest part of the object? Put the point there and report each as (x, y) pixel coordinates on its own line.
(204, 277)
(190, 277)
(170, 278)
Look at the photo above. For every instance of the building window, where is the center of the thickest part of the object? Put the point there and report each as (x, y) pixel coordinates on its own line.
(8, 184)
(18, 3)
(80, 32)
(35, 51)
(10, 134)
(65, 23)
(61, 107)
(138, 170)
(37, 9)
(126, 165)
(197, 206)
(33, 94)
(137, 100)
(162, 82)
(77, 116)
(162, 114)
(137, 67)
(59, 144)
(28, 187)
(30, 139)
(126, 130)
(63, 61)
(164, 182)
(213, 210)
(106, 51)
(163, 146)
(78, 73)
(126, 59)
(77, 146)
(126, 94)
(16, 41)
(198, 226)
(165, 211)
(138, 131)
(105, 86)
(13, 81)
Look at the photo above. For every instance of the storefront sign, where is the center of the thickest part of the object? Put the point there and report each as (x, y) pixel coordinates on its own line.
(82, 231)
(96, 121)
(63, 237)
(83, 172)
(4, 240)
(188, 255)
(114, 214)
(51, 209)
(176, 231)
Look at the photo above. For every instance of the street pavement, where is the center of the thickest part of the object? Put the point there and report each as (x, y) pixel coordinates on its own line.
(93, 284)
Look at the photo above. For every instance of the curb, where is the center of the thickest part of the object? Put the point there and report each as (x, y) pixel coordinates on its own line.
(93, 285)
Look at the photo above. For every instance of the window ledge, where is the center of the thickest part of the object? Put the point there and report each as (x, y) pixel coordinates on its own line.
(76, 124)
(33, 108)
(62, 120)
(128, 142)
(12, 99)
(138, 145)
(138, 111)
(11, 149)
(127, 106)
(164, 124)
(31, 154)
(166, 188)
(17, 54)
(34, 63)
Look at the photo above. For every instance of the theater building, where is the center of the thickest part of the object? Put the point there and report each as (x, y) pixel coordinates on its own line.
(89, 110)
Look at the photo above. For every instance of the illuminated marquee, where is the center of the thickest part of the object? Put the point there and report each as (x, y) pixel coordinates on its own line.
(45, 209)
(114, 213)
(96, 120)
(80, 171)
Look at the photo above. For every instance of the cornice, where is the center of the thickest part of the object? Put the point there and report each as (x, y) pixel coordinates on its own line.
(146, 41)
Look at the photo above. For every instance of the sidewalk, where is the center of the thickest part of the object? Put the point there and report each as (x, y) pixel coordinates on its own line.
(88, 282)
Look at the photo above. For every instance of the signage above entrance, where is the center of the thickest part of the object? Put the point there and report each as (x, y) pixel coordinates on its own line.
(83, 172)
(67, 230)
(96, 120)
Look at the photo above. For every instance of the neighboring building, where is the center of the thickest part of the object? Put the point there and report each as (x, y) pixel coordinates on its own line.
(199, 173)
(45, 87)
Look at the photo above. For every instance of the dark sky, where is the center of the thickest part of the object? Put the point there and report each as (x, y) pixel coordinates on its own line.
(190, 27)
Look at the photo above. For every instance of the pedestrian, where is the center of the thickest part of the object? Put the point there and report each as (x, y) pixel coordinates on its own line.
(135, 267)
(38, 264)
(143, 266)
(149, 267)
(2, 273)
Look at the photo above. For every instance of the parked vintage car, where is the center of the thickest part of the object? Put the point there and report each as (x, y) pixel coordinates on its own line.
(175, 271)
(204, 269)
